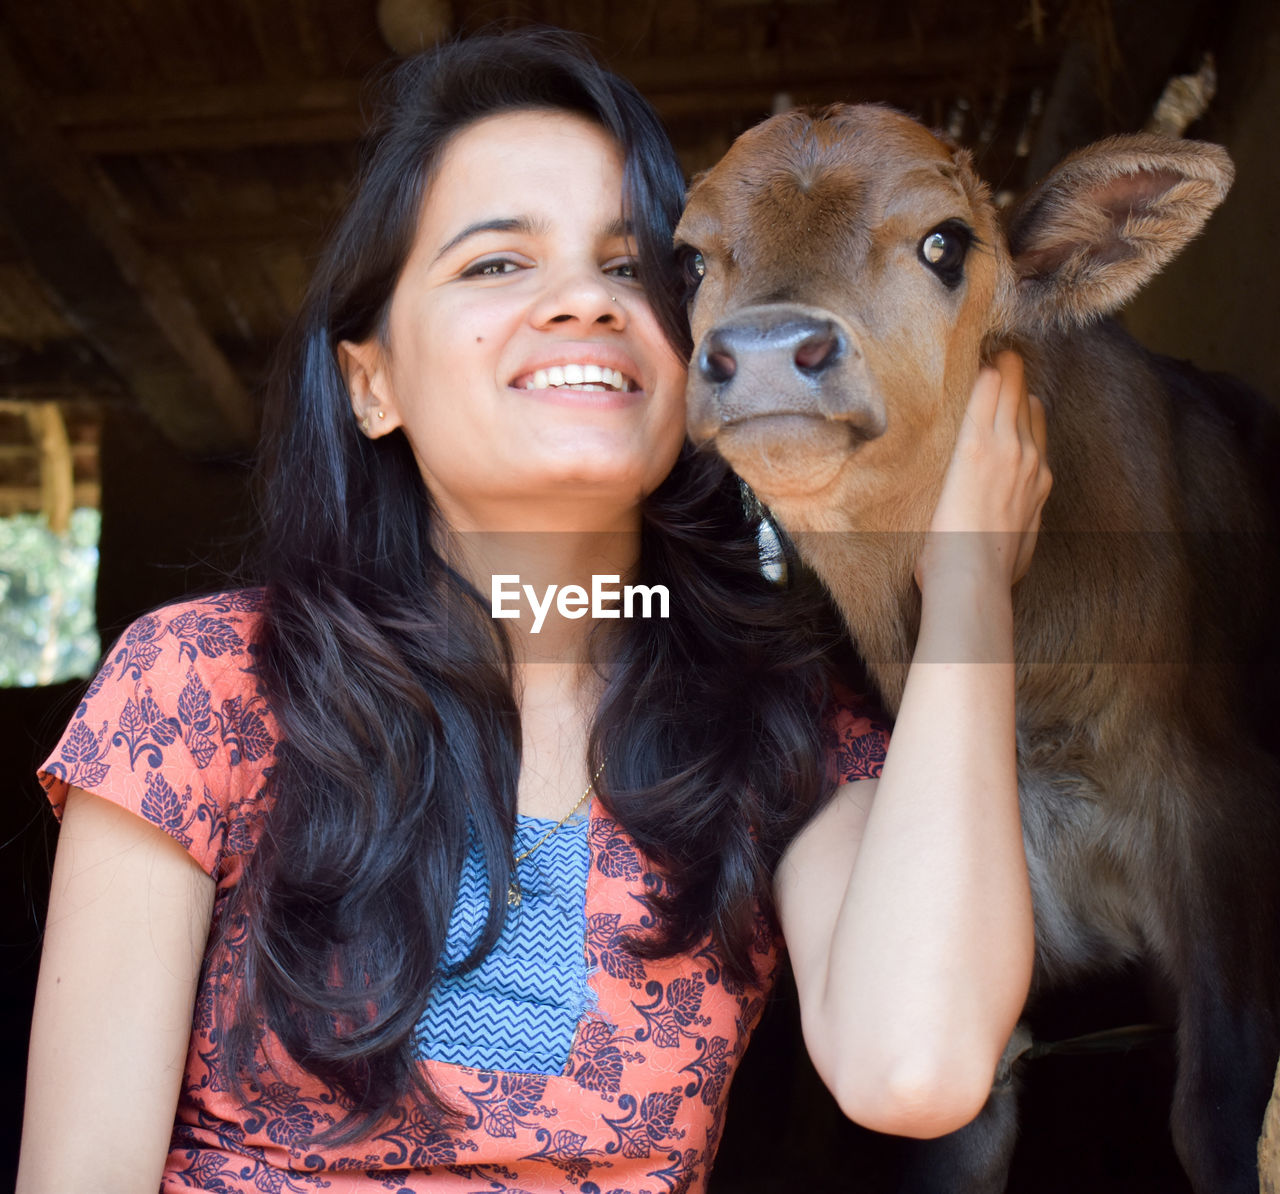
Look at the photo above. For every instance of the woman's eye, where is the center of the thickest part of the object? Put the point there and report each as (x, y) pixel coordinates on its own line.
(630, 270)
(492, 268)
(944, 249)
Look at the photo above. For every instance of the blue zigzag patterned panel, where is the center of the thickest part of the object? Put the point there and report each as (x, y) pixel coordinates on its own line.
(518, 1010)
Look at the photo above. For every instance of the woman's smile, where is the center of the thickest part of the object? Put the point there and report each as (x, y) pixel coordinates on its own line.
(520, 354)
(590, 376)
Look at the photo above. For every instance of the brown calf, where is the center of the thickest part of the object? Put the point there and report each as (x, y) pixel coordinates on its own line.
(853, 273)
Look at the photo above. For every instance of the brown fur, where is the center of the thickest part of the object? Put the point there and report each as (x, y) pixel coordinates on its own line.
(1269, 1144)
(1150, 811)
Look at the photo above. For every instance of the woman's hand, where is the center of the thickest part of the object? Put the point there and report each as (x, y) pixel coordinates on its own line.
(988, 513)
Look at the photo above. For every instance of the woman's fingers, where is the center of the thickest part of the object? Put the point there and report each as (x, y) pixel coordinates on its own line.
(984, 400)
(1027, 546)
(997, 480)
(1037, 445)
(1039, 430)
(1041, 481)
(1025, 438)
(1012, 392)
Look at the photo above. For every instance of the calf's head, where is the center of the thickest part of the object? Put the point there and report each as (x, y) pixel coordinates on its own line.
(852, 273)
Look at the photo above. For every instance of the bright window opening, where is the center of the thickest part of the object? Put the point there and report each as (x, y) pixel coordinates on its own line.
(49, 529)
(47, 583)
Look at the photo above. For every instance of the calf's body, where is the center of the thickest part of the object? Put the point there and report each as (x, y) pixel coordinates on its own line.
(852, 274)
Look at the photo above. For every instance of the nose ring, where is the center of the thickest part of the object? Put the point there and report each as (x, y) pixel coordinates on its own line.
(613, 298)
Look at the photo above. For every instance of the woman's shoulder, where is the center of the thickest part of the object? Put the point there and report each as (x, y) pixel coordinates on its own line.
(213, 626)
(175, 725)
(214, 636)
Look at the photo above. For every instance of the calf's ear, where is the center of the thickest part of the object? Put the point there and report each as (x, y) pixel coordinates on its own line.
(1108, 218)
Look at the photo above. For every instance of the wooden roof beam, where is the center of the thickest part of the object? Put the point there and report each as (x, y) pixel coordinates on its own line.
(127, 303)
(307, 112)
(64, 369)
(865, 65)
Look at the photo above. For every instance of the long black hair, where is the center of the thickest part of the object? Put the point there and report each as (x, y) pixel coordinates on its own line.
(399, 729)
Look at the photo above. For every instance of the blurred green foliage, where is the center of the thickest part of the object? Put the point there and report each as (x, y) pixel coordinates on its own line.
(47, 582)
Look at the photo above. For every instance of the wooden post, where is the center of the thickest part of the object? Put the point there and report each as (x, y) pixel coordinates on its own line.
(57, 474)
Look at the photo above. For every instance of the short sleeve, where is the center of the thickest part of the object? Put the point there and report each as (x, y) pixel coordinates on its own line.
(856, 737)
(174, 728)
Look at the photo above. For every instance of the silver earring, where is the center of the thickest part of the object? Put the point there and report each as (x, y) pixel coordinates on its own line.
(382, 414)
(364, 424)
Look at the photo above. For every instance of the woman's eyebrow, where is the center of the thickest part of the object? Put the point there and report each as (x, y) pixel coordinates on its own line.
(521, 224)
(620, 229)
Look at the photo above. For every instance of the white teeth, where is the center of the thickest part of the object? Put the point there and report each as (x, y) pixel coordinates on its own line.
(582, 377)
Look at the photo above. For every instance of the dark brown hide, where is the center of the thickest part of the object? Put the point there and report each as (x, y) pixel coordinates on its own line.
(837, 340)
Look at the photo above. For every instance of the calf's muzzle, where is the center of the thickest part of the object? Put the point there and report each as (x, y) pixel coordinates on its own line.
(781, 359)
(813, 345)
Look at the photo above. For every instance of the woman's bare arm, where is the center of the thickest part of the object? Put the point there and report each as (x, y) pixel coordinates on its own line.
(129, 914)
(907, 913)
(906, 903)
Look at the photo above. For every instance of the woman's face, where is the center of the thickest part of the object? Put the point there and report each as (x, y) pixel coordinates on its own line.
(521, 357)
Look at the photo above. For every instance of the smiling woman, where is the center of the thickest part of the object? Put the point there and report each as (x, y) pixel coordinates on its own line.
(378, 889)
(316, 796)
(521, 279)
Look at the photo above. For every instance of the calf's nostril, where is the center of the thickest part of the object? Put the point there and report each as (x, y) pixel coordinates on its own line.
(716, 361)
(818, 352)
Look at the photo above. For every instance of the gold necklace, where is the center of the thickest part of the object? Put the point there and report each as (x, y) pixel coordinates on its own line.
(515, 895)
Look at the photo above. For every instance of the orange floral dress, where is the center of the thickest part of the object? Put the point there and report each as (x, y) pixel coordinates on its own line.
(175, 729)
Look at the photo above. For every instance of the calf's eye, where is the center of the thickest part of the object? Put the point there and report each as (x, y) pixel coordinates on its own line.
(695, 268)
(944, 249)
(692, 267)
